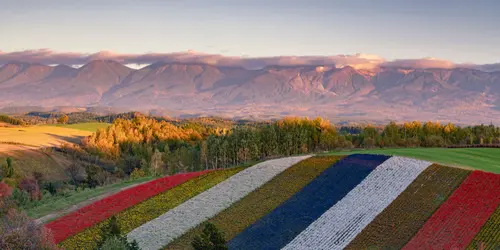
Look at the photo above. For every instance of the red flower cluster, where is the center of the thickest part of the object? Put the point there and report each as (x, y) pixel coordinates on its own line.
(459, 219)
(98, 211)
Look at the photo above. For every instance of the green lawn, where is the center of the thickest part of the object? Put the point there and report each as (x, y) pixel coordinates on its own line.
(58, 203)
(487, 159)
(90, 126)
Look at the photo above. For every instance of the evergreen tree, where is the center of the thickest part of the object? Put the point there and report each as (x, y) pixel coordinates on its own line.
(9, 168)
(111, 232)
(111, 229)
(210, 239)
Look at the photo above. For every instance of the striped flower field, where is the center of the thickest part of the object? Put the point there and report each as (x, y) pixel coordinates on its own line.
(358, 201)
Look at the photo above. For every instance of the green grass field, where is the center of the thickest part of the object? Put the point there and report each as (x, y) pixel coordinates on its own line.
(487, 159)
(91, 126)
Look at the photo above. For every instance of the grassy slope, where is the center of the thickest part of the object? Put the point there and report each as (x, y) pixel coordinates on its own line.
(487, 159)
(90, 126)
(60, 203)
(22, 143)
(26, 160)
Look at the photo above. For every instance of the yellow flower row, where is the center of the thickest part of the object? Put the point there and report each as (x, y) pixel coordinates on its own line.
(143, 212)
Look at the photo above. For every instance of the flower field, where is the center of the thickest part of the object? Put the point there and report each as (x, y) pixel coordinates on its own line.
(279, 227)
(395, 226)
(358, 201)
(489, 236)
(98, 211)
(343, 221)
(159, 232)
(459, 219)
(149, 209)
(263, 200)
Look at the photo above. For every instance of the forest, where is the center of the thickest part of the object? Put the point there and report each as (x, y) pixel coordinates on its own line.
(160, 147)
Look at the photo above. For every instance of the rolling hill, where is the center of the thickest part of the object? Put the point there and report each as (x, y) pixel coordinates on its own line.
(460, 95)
(322, 202)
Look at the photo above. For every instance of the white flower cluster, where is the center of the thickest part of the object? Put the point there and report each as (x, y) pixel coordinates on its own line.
(340, 224)
(159, 232)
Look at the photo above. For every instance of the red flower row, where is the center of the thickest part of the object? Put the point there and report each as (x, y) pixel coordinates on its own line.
(459, 219)
(98, 211)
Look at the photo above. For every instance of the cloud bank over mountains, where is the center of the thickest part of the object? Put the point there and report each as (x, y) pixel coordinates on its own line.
(358, 61)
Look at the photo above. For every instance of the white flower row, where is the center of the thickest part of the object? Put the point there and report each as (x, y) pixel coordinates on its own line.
(159, 232)
(340, 224)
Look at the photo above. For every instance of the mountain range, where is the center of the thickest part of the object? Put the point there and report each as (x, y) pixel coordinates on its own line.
(460, 95)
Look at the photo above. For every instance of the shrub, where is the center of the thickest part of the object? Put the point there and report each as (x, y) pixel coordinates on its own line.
(210, 239)
(20, 197)
(38, 176)
(137, 173)
(75, 172)
(12, 182)
(18, 231)
(119, 243)
(32, 188)
(92, 172)
(114, 243)
(5, 190)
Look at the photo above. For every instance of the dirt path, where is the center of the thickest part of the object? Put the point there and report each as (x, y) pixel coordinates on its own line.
(52, 216)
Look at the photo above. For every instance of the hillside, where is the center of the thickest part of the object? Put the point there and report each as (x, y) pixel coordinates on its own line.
(304, 203)
(25, 145)
(41, 136)
(193, 88)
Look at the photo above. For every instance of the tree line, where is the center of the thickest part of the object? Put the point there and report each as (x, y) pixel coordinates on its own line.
(161, 147)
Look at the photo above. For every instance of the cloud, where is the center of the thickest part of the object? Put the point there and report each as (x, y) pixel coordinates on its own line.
(360, 61)
(420, 63)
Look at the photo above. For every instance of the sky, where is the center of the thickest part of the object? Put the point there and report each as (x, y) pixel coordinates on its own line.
(462, 31)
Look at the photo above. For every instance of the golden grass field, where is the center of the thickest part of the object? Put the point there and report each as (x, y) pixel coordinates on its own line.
(39, 136)
(23, 145)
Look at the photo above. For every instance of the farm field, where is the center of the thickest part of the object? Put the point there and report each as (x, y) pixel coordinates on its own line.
(23, 144)
(263, 200)
(400, 220)
(143, 212)
(102, 209)
(90, 126)
(359, 201)
(487, 159)
(38, 136)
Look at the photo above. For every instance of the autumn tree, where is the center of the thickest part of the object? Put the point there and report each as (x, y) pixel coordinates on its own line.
(63, 119)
